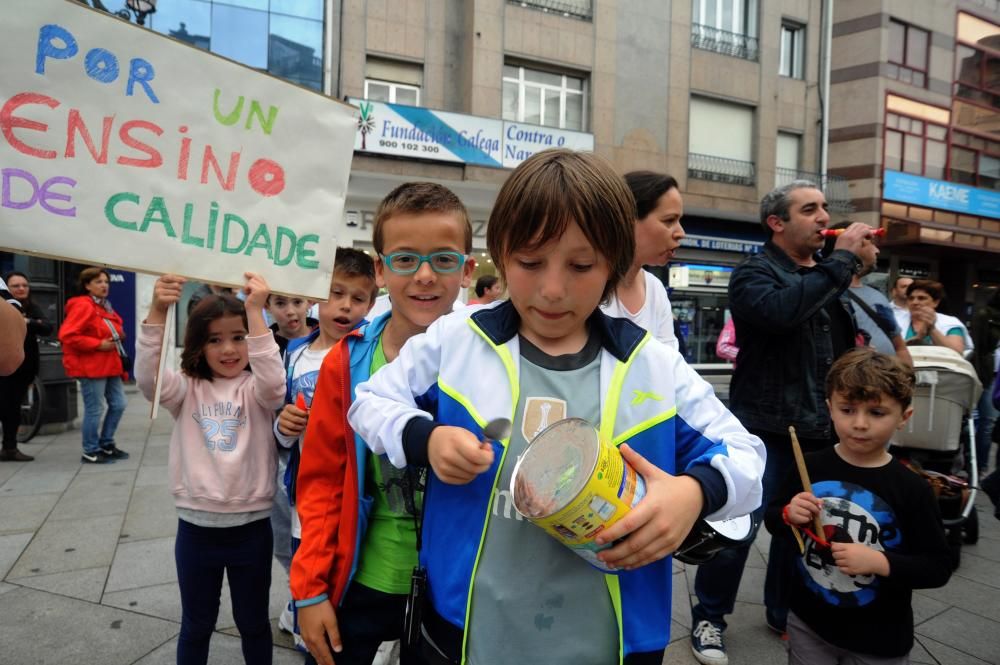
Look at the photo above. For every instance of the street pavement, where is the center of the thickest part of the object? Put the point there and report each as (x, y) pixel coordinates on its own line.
(88, 576)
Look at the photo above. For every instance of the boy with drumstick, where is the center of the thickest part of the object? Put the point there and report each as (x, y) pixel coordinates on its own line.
(882, 534)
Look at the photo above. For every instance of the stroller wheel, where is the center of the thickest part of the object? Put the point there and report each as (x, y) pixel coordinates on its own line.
(970, 530)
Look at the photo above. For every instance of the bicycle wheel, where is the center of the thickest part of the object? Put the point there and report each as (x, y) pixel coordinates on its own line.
(31, 411)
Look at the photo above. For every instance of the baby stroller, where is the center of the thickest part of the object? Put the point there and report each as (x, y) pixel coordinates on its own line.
(939, 441)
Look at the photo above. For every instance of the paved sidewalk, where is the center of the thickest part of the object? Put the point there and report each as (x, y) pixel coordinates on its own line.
(87, 570)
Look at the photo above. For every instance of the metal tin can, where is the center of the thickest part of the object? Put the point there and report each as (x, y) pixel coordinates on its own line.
(574, 485)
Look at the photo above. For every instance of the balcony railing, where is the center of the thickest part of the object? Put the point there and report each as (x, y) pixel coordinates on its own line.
(729, 43)
(581, 9)
(838, 196)
(720, 169)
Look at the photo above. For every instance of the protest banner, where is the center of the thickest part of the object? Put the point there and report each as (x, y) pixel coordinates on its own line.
(122, 147)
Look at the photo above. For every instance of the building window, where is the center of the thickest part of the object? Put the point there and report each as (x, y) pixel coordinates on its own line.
(544, 98)
(916, 137)
(915, 146)
(725, 26)
(791, 57)
(909, 50)
(720, 145)
(581, 9)
(974, 161)
(976, 102)
(393, 81)
(286, 41)
(787, 158)
(393, 93)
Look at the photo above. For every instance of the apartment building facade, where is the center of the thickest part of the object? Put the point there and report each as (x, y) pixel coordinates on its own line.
(721, 94)
(915, 109)
(725, 95)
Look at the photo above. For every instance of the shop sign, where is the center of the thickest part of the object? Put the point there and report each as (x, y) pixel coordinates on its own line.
(722, 244)
(522, 141)
(916, 190)
(420, 133)
(686, 276)
(412, 131)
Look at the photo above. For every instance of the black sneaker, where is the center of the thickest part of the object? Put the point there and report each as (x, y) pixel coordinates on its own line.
(707, 645)
(113, 452)
(100, 457)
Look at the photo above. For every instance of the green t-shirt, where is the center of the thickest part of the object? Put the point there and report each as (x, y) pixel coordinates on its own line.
(389, 547)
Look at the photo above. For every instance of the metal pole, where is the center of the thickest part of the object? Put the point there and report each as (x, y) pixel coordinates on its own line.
(824, 145)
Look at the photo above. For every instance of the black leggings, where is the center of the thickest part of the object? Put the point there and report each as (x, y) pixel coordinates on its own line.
(12, 389)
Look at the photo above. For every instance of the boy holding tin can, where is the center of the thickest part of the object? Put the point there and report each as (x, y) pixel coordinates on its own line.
(500, 589)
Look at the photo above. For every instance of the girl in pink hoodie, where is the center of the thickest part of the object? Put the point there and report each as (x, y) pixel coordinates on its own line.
(222, 458)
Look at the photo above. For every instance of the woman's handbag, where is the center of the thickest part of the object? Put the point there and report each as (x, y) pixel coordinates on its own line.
(122, 353)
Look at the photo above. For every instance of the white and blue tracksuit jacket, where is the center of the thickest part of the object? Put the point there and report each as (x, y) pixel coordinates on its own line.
(468, 363)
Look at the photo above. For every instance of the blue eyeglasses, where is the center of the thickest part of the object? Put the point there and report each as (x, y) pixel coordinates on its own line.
(407, 263)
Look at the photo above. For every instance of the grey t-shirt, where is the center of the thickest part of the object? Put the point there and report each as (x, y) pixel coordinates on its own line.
(533, 599)
(880, 304)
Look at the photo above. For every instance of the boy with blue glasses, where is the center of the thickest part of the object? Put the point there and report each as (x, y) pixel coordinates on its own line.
(351, 572)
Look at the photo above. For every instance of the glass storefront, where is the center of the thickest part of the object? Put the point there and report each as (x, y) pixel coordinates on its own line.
(282, 37)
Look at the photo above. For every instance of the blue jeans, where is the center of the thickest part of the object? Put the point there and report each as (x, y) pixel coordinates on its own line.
(95, 434)
(281, 515)
(244, 554)
(717, 582)
(986, 417)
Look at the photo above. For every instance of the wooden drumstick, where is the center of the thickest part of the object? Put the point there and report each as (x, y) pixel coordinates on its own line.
(800, 462)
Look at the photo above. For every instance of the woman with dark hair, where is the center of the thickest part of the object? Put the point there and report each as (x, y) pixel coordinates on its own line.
(927, 326)
(640, 296)
(13, 387)
(92, 353)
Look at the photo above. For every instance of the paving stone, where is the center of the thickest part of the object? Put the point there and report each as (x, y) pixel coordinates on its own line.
(39, 482)
(942, 654)
(7, 471)
(977, 568)
(156, 456)
(95, 494)
(11, 547)
(83, 584)
(150, 514)
(968, 595)
(971, 634)
(64, 545)
(150, 474)
(142, 564)
(160, 600)
(224, 650)
(680, 605)
(24, 512)
(56, 630)
(748, 641)
(925, 607)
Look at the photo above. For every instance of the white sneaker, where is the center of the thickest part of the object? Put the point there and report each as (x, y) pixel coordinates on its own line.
(706, 644)
(286, 621)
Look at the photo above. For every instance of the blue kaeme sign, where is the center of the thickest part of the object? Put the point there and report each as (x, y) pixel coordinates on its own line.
(917, 190)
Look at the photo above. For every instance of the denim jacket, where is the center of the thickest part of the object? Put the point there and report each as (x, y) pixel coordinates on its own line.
(783, 331)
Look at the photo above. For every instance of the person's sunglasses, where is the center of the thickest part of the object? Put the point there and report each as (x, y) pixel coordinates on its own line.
(407, 263)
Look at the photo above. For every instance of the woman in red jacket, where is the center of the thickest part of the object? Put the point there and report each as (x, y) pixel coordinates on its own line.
(91, 337)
